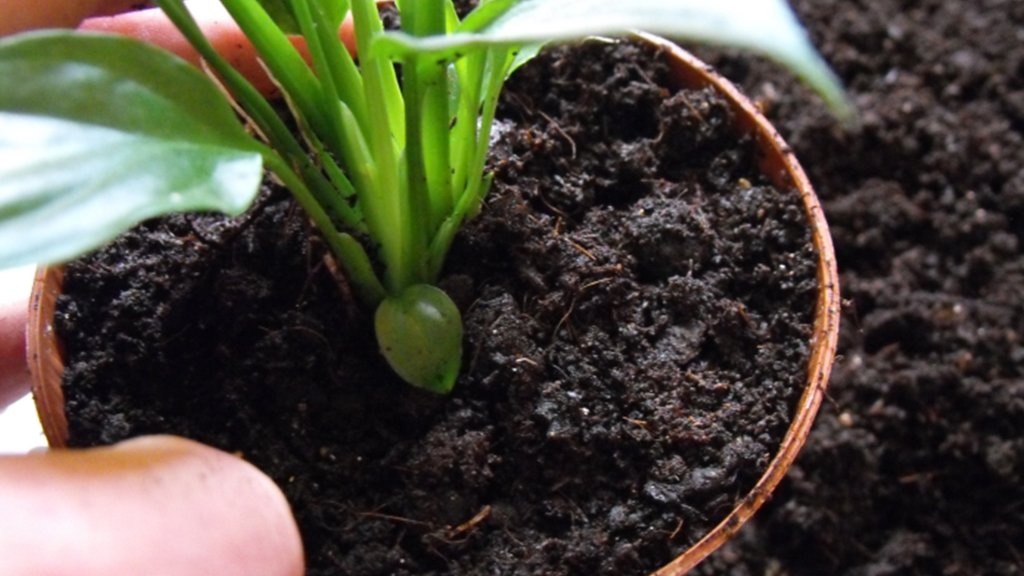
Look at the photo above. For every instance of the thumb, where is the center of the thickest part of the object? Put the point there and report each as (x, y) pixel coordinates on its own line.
(22, 15)
(218, 27)
(160, 506)
(14, 378)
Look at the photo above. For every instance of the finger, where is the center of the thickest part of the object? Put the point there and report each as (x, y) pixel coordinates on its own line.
(160, 506)
(14, 377)
(21, 15)
(111, 7)
(224, 35)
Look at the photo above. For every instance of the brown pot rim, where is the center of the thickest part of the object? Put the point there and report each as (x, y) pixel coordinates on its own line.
(45, 356)
(780, 165)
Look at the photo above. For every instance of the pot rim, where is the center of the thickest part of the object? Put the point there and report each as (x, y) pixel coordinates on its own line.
(780, 165)
(777, 162)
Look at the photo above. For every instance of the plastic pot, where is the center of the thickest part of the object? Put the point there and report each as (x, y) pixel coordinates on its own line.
(777, 163)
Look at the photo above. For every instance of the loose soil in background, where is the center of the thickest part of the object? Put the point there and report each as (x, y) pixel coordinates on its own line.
(637, 306)
(916, 464)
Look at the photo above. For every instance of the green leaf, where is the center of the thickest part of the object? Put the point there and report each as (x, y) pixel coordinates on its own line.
(523, 55)
(281, 59)
(765, 26)
(420, 335)
(485, 14)
(101, 132)
(336, 10)
(282, 15)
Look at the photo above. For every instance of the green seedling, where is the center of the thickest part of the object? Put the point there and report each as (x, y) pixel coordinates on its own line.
(99, 132)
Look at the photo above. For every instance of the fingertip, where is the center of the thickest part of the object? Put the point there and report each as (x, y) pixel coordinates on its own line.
(156, 505)
(14, 376)
(241, 500)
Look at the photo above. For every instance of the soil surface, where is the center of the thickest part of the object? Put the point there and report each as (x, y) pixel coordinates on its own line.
(916, 464)
(636, 303)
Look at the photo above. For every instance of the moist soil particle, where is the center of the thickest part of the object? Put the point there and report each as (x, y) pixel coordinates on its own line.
(916, 463)
(636, 303)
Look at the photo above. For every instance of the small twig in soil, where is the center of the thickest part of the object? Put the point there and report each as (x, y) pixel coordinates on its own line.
(572, 143)
(679, 528)
(744, 316)
(469, 525)
(597, 282)
(572, 305)
(396, 519)
(525, 360)
(459, 534)
(565, 481)
(646, 77)
(344, 288)
(557, 230)
(311, 269)
(521, 106)
(176, 335)
(917, 477)
(700, 117)
(638, 423)
(533, 278)
(97, 267)
(561, 372)
(548, 205)
(563, 320)
(582, 250)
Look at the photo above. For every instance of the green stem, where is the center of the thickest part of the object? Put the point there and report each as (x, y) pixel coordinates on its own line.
(281, 58)
(330, 132)
(343, 72)
(498, 62)
(387, 127)
(313, 192)
(348, 251)
(425, 91)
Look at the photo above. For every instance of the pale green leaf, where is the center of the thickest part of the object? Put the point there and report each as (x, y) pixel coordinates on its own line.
(335, 11)
(115, 82)
(420, 335)
(768, 27)
(101, 132)
(282, 15)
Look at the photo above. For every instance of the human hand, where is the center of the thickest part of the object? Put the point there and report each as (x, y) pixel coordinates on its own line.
(150, 25)
(156, 506)
(159, 505)
(14, 377)
(22, 15)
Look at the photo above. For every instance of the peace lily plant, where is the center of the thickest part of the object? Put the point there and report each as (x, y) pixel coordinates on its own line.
(99, 132)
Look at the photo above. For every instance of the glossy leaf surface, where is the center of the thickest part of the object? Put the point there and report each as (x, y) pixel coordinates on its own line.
(765, 26)
(420, 334)
(102, 132)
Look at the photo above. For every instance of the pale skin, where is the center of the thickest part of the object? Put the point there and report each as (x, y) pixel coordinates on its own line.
(161, 505)
(20, 15)
(151, 26)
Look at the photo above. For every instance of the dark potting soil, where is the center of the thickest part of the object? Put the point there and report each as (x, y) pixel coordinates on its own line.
(916, 463)
(637, 306)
